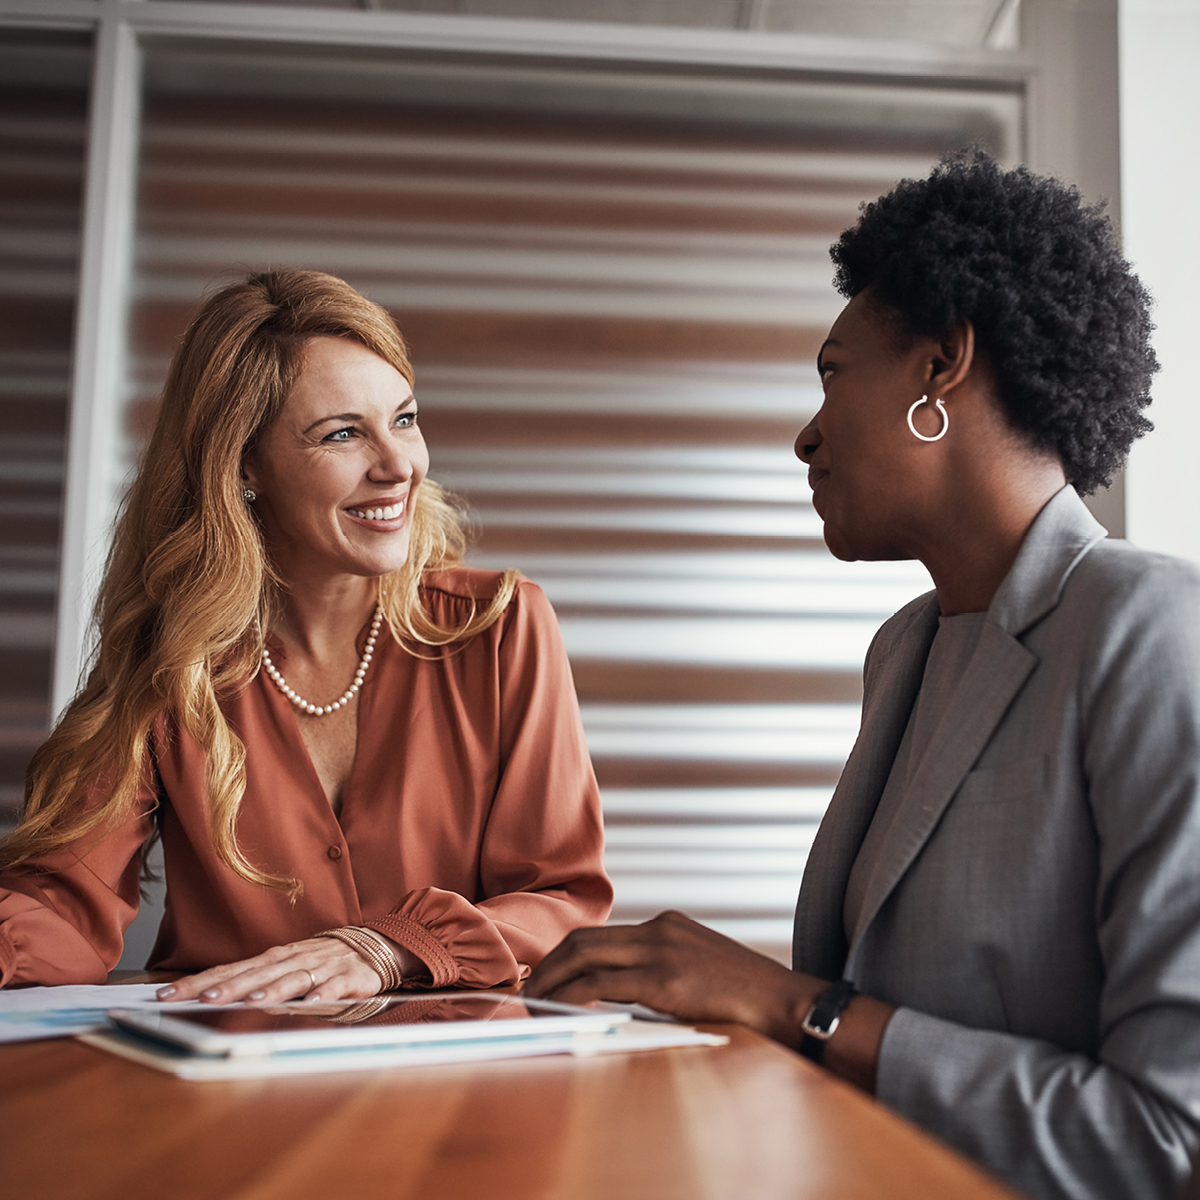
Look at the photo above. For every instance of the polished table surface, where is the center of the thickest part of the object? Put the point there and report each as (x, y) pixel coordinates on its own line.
(749, 1120)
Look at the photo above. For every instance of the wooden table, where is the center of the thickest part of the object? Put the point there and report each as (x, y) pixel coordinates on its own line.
(747, 1121)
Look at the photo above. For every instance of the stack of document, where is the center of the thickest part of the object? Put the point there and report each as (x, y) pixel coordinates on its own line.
(32, 1013)
(206, 1042)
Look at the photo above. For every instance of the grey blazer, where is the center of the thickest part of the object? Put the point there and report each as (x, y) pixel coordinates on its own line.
(1038, 922)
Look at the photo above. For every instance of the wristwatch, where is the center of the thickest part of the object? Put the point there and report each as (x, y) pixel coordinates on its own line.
(822, 1019)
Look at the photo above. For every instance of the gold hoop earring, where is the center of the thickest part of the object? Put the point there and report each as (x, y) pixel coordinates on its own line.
(937, 437)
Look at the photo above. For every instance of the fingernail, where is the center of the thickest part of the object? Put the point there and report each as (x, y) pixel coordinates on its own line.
(163, 993)
(313, 997)
(212, 993)
(256, 995)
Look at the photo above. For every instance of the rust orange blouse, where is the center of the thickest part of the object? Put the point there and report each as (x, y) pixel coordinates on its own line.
(470, 829)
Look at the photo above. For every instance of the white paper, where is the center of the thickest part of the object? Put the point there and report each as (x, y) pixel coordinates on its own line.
(82, 995)
(633, 1036)
(27, 1014)
(643, 1035)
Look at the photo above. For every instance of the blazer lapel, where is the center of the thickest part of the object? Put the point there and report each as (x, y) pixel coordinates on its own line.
(1056, 543)
(819, 944)
(998, 670)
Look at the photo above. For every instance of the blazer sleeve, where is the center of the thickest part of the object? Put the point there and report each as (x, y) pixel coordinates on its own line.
(541, 862)
(63, 916)
(1123, 1124)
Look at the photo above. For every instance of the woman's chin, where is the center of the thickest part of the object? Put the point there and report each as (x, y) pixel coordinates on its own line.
(840, 545)
(864, 550)
(844, 544)
(840, 550)
(387, 566)
(381, 560)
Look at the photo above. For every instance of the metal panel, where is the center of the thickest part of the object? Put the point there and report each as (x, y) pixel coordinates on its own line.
(43, 99)
(596, 41)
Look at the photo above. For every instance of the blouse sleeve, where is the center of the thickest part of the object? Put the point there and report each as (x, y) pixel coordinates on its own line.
(63, 916)
(541, 862)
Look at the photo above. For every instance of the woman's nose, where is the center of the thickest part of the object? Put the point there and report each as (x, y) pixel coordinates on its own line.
(393, 464)
(807, 441)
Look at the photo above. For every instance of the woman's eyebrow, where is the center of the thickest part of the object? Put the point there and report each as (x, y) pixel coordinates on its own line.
(334, 417)
(350, 416)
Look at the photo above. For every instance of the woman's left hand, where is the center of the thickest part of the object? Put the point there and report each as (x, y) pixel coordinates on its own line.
(317, 968)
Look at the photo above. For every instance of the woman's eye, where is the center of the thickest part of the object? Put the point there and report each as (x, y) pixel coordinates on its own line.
(406, 420)
(339, 435)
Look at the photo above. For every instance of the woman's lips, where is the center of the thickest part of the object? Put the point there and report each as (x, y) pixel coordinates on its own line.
(816, 477)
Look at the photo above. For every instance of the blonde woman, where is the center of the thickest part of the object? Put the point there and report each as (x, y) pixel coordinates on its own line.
(364, 759)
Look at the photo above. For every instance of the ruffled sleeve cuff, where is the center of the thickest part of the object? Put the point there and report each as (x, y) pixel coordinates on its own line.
(457, 942)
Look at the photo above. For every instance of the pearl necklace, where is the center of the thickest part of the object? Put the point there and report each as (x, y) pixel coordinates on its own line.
(318, 710)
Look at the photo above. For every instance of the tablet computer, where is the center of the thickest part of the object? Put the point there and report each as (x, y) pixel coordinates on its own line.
(393, 1020)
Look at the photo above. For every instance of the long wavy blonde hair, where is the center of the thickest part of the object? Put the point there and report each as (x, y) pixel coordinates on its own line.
(189, 590)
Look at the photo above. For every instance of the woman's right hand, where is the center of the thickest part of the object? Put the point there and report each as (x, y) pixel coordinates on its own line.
(677, 966)
(320, 968)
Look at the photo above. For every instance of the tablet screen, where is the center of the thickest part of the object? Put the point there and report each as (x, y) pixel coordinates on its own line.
(380, 1020)
(377, 1010)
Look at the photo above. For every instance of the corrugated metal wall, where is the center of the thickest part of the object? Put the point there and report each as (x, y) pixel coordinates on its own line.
(43, 102)
(614, 325)
(614, 293)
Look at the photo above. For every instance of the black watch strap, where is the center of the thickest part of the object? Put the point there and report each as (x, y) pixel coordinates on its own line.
(821, 1021)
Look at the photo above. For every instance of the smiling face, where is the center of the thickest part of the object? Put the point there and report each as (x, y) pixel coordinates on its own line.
(868, 473)
(337, 472)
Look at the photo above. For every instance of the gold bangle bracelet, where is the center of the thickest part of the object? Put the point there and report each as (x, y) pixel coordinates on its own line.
(383, 964)
(372, 947)
(379, 956)
(384, 954)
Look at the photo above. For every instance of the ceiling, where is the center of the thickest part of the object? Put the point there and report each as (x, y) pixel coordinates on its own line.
(975, 23)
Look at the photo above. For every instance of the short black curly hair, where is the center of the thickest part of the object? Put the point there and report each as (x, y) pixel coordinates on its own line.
(1057, 311)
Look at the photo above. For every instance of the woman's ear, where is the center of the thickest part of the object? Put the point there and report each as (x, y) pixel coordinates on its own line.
(954, 358)
(248, 473)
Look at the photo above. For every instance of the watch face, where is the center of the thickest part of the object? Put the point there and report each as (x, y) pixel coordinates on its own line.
(816, 1024)
(826, 1013)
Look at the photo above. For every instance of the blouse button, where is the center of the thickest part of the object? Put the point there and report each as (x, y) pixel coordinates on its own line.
(334, 852)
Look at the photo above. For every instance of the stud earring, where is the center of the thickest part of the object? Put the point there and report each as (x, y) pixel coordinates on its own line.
(249, 495)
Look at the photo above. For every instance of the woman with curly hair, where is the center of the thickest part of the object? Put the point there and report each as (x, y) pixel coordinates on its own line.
(364, 759)
(998, 932)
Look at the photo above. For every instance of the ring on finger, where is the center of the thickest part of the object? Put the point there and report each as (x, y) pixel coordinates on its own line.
(312, 977)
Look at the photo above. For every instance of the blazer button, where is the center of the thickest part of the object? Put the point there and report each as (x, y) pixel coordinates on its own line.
(334, 852)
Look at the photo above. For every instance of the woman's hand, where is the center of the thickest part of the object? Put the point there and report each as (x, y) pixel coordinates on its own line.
(676, 966)
(316, 968)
